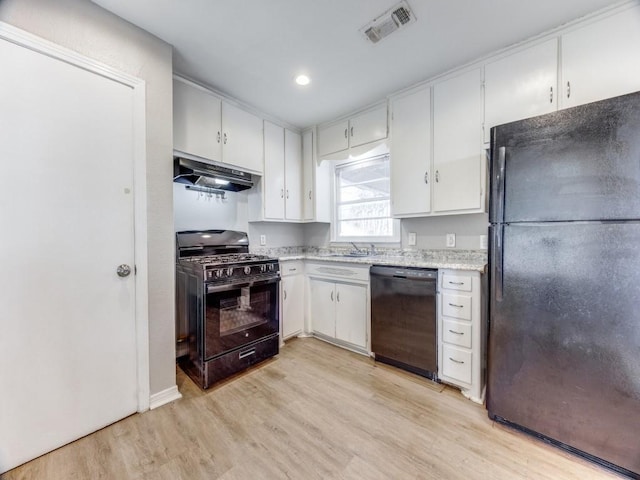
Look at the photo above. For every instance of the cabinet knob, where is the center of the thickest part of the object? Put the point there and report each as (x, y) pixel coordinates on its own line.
(332, 296)
(345, 133)
(282, 193)
(309, 194)
(287, 194)
(284, 293)
(437, 176)
(225, 138)
(550, 94)
(426, 178)
(352, 131)
(568, 89)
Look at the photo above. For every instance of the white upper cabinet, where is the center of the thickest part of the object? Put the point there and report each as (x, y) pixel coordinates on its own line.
(521, 85)
(316, 182)
(368, 127)
(411, 153)
(273, 179)
(293, 175)
(602, 59)
(457, 144)
(196, 121)
(207, 127)
(333, 138)
(242, 138)
(282, 181)
(363, 128)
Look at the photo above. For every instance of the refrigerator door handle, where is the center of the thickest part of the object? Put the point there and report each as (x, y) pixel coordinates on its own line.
(497, 187)
(498, 257)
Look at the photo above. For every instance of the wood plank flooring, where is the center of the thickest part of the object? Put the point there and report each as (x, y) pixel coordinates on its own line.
(314, 412)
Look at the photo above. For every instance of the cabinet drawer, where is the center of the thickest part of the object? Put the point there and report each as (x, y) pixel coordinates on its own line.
(456, 306)
(456, 282)
(456, 363)
(292, 267)
(456, 333)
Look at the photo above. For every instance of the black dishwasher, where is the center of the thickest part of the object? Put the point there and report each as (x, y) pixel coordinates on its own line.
(403, 318)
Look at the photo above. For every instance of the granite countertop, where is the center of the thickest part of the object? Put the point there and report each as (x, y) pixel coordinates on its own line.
(475, 260)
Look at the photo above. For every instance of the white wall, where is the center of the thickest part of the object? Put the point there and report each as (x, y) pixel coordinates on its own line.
(194, 210)
(88, 29)
(430, 232)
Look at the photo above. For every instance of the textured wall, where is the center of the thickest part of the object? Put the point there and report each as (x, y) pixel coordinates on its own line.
(90, 30)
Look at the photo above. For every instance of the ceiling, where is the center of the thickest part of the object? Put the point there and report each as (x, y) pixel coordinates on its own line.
(252, 49)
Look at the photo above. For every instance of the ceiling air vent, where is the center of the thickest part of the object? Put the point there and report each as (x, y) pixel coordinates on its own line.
(396, 17)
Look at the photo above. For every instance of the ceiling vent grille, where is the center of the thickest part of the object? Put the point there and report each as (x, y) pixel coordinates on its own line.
(393, 19)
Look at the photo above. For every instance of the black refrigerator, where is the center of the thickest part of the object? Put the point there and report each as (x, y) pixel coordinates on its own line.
(564, 309)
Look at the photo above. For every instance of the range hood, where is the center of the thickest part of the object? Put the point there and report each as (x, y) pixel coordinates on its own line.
(192, 172)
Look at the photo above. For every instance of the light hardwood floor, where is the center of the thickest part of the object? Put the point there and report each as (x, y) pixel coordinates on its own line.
(314, 412)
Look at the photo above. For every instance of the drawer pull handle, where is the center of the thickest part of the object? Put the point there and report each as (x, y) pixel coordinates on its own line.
(284, 292)
(247, 353)
(293, 269)
(456, 283)
(456, 361)
(457, 333)
(457, 306)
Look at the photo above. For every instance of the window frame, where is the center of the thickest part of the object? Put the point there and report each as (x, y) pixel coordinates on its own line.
(335, 237)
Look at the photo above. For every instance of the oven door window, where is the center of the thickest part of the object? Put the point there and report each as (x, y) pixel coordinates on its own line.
(238, 316)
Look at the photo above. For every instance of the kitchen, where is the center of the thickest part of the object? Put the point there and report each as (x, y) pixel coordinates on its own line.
(71, 23)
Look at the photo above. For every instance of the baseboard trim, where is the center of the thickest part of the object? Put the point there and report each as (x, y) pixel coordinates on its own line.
(165, 396)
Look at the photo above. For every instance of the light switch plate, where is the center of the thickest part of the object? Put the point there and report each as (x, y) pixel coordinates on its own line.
(412, 239)
(484, 242)
(451, 239)
(263, 240)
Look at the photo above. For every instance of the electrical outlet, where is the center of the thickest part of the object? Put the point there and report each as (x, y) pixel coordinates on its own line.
(263, 240)
(451, 239)
(484, 242)
(412, 239)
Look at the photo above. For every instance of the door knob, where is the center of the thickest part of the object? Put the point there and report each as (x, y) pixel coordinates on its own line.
(123, 270)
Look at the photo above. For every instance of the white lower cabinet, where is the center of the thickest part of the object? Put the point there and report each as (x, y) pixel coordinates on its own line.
(461, 332)
(339, 304)
(292, 298)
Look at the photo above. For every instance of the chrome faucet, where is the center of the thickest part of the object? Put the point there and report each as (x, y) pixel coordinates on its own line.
(358, 250)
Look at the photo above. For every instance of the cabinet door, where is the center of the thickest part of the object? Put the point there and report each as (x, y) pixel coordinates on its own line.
(242, 138)
(368, 127)
(521, 85)
(351, 314)
(292, 305)
(457, 143)
(323, 314)
(411, 154)
(196, 121)
(307, 175)
(333, 138)
(293, 175)
(601, 60)
(273, 179)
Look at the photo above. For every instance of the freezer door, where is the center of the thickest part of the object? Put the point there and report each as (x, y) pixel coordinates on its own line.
(582, 163)
(564, 338)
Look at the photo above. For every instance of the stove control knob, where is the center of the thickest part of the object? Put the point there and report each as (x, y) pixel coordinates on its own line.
(263, 268)
(229, 271)
(271, 267)
(247, 270)
(219, 273)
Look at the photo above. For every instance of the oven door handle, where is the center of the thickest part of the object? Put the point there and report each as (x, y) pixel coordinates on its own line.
(232, 286)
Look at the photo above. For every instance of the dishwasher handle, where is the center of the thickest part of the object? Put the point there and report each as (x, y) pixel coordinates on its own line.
(404, 272)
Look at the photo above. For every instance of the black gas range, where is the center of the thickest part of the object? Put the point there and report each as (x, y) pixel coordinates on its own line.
(227, 304)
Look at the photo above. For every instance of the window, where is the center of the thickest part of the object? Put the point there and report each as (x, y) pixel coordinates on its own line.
(363, 202)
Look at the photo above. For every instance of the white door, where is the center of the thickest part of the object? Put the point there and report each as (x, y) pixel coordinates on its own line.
(521, 85)
(333, 138)
(368, 127)
(411, 154)
(457, 141)
(273, 179)
(292, 305)
(68, 342)
(351, 314)
(308, 165)
(243, 139)
(323, 310)
(293, 175)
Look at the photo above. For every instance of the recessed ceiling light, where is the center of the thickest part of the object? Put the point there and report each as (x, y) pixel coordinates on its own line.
(303, 80)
